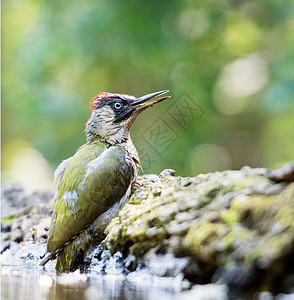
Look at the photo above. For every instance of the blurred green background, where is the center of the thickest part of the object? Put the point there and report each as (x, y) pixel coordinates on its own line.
(234, 59)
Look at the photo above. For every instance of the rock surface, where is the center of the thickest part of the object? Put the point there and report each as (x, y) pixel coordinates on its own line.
(24, 217)
(236, 226)
(233, 227)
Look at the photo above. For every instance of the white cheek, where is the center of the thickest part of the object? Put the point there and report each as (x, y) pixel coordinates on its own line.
(106, 128)
(105, 115)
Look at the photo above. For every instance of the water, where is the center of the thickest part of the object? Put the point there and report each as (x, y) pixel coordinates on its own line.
(30, 283)
(21, 283)
(23, 278)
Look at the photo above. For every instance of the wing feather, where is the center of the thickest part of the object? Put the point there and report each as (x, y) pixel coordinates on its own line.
(60, 170)
(90, 182)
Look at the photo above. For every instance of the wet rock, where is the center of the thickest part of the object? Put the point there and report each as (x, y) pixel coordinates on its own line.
(17, 235)
(265, 296)
(233, 225)
(14, 200)
(166, 172)
(131, 263)
(17, 202)
(5, 227)
(206, 292)
(5, 244)
(284, 174)
(25, 217)
(165, 265)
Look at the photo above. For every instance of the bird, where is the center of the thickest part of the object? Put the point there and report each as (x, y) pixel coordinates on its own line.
(96, 182)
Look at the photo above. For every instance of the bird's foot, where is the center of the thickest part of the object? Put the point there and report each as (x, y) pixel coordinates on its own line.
(135, 186)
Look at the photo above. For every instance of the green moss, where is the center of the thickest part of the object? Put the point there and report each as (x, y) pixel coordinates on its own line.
(8, 237)
(230, 217)
(197, 217)
(285, 216)
(8, 219)
(237, 236)
(201, 239)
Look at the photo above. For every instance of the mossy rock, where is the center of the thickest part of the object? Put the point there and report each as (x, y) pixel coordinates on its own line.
(228, 221)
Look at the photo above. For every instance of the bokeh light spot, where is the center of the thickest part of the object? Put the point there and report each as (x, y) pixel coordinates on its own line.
(238, 81)
(27, 166)
(193, 23)
(206, 158)
(242, 35)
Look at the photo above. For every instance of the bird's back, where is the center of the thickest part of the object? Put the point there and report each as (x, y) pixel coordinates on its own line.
(90, 183)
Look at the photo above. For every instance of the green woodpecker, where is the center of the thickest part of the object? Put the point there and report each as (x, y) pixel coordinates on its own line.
(97, 181)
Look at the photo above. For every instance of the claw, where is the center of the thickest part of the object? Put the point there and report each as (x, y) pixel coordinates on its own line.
(135, 186)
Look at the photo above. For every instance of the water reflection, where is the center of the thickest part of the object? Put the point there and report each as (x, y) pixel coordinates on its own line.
(21, 283)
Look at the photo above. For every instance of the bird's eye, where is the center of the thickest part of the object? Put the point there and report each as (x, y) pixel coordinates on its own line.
(117, 105)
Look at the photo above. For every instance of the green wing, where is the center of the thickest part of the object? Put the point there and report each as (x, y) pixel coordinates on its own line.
(95, 178)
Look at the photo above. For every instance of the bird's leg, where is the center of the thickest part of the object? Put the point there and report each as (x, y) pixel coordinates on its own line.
(72, 256)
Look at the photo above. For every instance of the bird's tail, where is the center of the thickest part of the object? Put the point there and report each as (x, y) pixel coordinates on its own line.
(47, 257)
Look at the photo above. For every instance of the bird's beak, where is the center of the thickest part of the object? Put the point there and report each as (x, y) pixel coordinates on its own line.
(143, 102)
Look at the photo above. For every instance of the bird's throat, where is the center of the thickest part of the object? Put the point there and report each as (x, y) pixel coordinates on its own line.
(117, 136)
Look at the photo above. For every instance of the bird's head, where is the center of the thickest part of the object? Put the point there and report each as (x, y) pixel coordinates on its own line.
(113, 115)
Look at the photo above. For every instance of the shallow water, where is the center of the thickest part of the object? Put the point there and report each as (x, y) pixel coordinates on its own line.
(21, 283)
(23, 278)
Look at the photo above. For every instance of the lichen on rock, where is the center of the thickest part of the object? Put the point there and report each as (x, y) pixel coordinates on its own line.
(226, 222)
